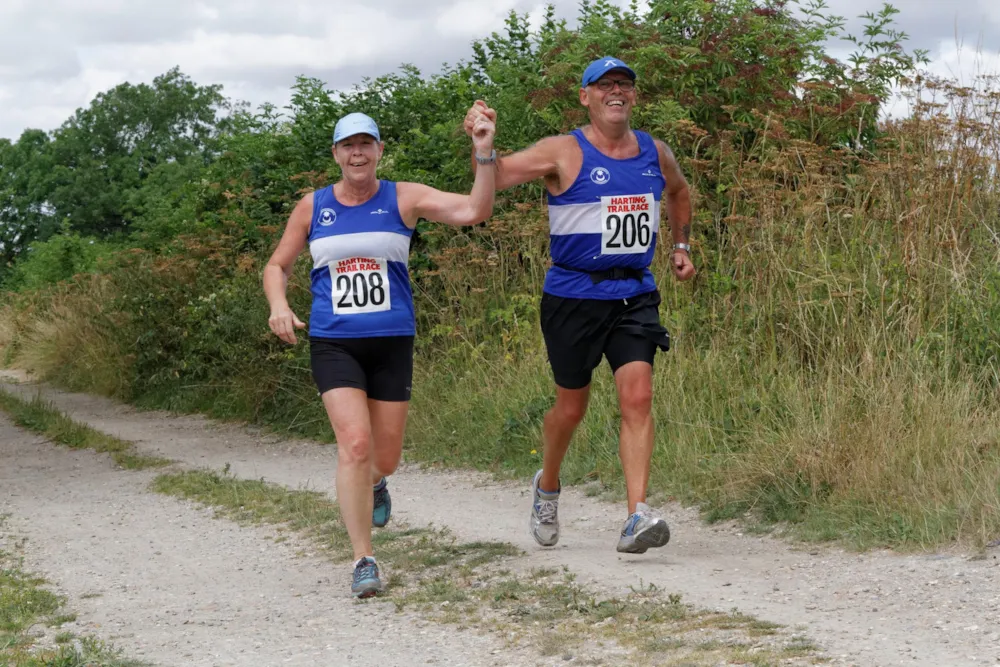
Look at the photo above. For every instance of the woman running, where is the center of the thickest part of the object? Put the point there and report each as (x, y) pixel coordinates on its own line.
(362, 326)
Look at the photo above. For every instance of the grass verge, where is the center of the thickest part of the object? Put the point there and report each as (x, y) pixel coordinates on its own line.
(42, 417)
(27, 608)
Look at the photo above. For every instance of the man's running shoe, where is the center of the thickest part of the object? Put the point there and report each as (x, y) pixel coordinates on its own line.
(643, 530)
(544, 523)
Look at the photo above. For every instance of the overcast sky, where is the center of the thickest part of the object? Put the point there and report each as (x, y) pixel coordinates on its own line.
(56, 55)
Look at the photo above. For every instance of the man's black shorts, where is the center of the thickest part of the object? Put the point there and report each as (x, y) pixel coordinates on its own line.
(578, 332)
(380, 366)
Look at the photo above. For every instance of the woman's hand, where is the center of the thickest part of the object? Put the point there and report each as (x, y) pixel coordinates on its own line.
(283, 323)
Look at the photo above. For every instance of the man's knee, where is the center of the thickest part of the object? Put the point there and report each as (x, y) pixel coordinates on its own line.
(636, 397)
(569, 411)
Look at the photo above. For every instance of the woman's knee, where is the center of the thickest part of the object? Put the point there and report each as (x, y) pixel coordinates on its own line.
(387, 456)
(355, 449)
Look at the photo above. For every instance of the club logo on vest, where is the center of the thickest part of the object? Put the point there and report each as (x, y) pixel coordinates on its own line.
(600, 175)
(327, 217)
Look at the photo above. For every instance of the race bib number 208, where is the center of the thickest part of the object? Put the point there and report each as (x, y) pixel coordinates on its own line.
(627, 224)
(360, 285)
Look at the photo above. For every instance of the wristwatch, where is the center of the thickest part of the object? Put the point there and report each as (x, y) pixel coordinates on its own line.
(683, 246)
(488, 160)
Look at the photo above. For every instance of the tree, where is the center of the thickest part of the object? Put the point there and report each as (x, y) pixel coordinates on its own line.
(25, 168)
(105, 152)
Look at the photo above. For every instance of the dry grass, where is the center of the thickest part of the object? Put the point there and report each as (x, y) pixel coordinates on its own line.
(74, 338)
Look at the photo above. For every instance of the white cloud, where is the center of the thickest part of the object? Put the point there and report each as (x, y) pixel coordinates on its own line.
(965, 62)
(208, 52)
(471, 19)
(56, 55)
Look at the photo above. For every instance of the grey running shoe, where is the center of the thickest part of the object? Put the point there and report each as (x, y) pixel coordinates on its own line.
(643, 530)
(544, 514)
(366, 582)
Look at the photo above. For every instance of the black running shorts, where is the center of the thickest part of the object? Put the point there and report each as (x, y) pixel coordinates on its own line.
(579, 332)
(380, 366)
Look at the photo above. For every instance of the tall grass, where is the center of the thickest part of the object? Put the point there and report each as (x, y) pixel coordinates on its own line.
(835, 362)
(73, 338)
(874, 460)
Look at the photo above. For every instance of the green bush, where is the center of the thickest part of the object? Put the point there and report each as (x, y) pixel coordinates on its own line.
(60, 258)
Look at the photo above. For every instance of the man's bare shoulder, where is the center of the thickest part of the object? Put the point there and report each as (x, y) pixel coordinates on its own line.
(553, 145)
(662, 147)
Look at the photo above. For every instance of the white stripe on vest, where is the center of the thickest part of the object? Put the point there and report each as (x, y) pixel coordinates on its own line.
(388, 245)
(567, 219)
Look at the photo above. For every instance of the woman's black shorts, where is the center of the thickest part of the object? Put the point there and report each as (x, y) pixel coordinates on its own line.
(380, 366)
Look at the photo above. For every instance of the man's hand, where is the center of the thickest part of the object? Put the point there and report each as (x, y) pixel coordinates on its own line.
(479, 111)
(683, 267)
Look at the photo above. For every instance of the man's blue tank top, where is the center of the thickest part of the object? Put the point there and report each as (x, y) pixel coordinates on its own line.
(609, 217)
(360, 275)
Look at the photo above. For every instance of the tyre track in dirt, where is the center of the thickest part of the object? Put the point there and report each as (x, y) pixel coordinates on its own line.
(875, 609)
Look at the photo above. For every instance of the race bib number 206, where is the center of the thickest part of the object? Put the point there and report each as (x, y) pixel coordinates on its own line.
(360, 285)
(627, 224)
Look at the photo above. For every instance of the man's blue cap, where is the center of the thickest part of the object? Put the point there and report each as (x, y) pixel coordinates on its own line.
(596, 69)
(355, 123)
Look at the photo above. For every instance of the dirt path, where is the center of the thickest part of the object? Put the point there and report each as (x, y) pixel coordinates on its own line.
(875, 609)
(171, 585)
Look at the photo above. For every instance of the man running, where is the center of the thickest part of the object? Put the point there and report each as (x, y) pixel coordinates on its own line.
(362, 326)
(605, 182)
